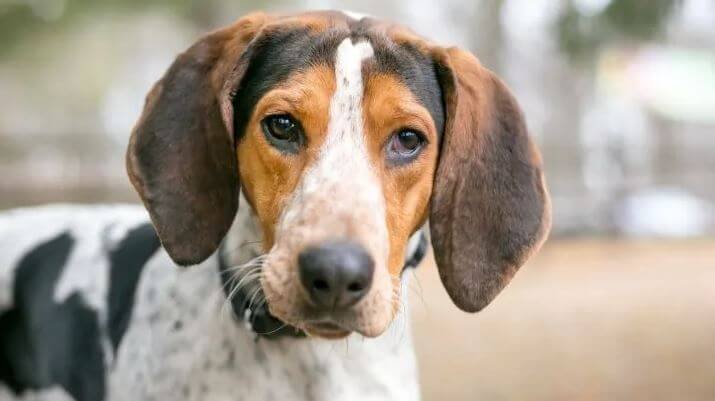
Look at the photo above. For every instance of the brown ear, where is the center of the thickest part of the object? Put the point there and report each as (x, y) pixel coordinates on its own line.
(181, 157)
(490, 209)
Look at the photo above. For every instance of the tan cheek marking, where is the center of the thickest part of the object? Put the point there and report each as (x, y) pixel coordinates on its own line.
(269, 177)
(389, 106)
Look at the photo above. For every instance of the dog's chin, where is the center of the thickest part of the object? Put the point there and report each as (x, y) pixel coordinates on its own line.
(328, 328)
(321, 325)
(331, 330)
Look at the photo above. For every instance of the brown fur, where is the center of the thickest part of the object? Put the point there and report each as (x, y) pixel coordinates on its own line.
(490, 208)
(180, 157)
(390, 106)
(268, 176)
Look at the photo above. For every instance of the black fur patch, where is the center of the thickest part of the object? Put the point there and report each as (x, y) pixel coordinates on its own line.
(416, 71)
(273, 58)
(127, 261)
(281, 52)
(45, 344)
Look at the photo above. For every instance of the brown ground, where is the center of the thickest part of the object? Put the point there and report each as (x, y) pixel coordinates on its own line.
(584, 320)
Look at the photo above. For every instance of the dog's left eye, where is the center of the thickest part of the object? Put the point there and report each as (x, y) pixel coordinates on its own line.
(404, 146)
(283, 132)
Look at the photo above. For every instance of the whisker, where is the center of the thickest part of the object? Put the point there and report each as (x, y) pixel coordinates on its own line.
(247, 270)
(257, 292)
(243, 276)
(240, 246)
(239, 281)
(274, 330)
(419, 290)
(257, 261)
(245, 281)
(399, 310)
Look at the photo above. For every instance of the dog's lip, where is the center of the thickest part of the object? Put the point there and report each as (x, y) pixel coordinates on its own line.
(326, 325)
(326, 329)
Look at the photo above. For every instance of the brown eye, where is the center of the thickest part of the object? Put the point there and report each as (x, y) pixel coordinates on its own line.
(283, 132)
(404, 146)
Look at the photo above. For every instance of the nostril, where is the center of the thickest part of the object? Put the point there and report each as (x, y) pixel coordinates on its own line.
(356, 287)
(321, 285)
(335, 274)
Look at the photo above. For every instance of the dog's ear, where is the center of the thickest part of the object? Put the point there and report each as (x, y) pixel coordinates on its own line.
(490, 209)
(181, 157)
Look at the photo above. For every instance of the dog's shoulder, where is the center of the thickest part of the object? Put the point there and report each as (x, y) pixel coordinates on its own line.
(82, 235)
(68, 275)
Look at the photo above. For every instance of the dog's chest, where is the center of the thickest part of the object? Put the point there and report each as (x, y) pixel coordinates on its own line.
(179, 341)
(183, 344)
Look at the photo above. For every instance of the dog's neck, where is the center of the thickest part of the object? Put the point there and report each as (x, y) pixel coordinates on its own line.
(242, 244)
(244, 240)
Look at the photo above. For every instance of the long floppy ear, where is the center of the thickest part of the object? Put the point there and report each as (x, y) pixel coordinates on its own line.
(181, 157)
(490, 209)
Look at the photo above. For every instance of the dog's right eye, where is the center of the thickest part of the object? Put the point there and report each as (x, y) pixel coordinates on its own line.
(283, 132)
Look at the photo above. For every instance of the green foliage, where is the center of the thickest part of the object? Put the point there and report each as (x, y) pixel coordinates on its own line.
(19, 20)
(580, 36)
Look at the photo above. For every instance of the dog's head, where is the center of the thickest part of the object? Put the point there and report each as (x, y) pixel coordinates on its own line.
(344, 135)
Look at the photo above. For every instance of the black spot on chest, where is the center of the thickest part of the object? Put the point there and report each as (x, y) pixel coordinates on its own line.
(273, 58)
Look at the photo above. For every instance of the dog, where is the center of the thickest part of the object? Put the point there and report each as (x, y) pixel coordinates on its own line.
(293, 162)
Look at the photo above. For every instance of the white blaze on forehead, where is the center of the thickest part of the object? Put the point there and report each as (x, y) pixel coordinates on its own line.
(341, 189)
(346, 105)
(344, 158)
(354, 15)
(339, 197)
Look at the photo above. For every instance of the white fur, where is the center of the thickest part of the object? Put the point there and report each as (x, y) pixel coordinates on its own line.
(338, 197)
(343, 166)
(344, 156)
(182, 344)
(88, 272)
(354, 15)
(98, 227)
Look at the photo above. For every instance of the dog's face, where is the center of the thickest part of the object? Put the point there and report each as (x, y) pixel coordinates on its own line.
(338, 149)
(344, 135)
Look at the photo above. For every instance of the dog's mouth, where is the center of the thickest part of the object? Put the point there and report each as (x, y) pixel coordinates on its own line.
(244, 291)
(325, 329)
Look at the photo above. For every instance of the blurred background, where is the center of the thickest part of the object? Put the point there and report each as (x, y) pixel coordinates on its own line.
(619, 95)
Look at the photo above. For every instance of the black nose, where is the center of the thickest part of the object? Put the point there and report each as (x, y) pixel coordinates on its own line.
(335, 274)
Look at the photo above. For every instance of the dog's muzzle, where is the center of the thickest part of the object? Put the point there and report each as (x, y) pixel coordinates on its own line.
(335, 274)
